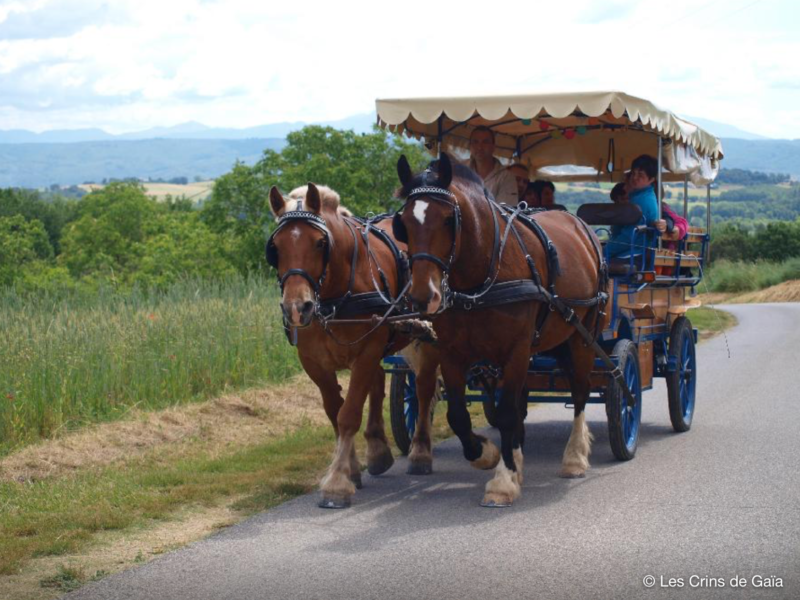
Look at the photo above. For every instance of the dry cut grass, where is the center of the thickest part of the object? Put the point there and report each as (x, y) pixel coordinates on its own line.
(231, 421)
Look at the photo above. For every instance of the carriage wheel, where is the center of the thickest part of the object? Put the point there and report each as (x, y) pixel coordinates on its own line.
(682, 381)
(624, 420)
(403, 409)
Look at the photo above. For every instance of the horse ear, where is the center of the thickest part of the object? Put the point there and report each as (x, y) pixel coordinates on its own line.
(445, 171)
(276, 201)
(313, 200)
(404, 170)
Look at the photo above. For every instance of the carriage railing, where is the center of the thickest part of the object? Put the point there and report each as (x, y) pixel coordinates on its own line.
(681, 266)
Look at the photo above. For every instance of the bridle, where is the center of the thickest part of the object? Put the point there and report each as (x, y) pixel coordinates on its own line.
(318, 223)
(444, 196)
(447, 198)
(325, 311)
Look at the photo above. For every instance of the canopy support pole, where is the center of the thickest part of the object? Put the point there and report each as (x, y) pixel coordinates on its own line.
(686, 196)
(708, 222)
(658, 183)
(439, 136)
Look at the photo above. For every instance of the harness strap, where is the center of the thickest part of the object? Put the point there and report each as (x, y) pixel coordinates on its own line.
(368, 228)
(506, 292)
(499, 245)
(300, 273)
(337, 303)
(571, 318)
(357, 304)
(429, 257)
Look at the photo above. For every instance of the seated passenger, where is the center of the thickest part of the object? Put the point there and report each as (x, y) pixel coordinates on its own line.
(520, 173)
(674, 224)
(543, 194)
(530, 197)
(639, 192)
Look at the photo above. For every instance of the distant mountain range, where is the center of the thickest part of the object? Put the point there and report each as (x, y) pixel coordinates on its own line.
(41, 165)
(67, 157)
(185, 131)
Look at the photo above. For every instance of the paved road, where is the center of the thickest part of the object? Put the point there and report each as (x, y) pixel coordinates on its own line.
(720, 501)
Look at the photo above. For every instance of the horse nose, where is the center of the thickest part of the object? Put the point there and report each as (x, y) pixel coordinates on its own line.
(298, 314)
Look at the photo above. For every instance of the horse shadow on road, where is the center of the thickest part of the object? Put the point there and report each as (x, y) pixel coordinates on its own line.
(395, 505)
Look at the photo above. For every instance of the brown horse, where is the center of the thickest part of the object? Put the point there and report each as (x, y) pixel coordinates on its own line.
(325, 266)
(464, 259)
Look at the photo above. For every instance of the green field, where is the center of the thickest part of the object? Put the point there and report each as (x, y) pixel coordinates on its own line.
(81, 359)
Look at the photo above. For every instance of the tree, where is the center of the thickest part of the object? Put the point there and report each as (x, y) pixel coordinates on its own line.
(183, 246)
(108, 237)
(21, 242)
(53, 214)
(361, 168)
(731, 242)
(778, 241)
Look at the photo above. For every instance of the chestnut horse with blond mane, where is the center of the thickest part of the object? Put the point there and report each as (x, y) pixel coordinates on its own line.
(331, 265)
(489, 277)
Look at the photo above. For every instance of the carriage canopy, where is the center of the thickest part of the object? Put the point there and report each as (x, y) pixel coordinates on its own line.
(577, 135)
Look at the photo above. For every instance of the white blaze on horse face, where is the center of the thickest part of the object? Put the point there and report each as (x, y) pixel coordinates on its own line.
(436, 297)
(296, 233)
(420, 206)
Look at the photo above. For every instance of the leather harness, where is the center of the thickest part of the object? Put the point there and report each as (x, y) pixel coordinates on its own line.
(350, 304)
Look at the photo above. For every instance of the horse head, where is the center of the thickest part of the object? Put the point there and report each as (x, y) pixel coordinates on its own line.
(300, 248)
(429, 223)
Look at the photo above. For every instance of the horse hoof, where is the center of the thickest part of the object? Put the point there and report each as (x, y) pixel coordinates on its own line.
(572, 474)
(495, 504)
(419, 468)
(381, 464)
(332, 502)
(356, 479)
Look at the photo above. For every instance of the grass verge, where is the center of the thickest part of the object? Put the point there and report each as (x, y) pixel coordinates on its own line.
(60, 516)
(56, 521)
(73, 360)
(711, 321)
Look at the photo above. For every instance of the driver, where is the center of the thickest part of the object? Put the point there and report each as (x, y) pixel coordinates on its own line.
(497, 179)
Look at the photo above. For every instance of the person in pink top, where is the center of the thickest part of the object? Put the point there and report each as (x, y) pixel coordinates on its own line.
(676, 226)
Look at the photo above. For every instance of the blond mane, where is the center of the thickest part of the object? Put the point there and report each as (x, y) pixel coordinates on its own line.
(330, 199)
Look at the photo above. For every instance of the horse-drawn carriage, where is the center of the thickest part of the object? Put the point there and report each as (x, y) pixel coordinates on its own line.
(644, 329)
(523, 303)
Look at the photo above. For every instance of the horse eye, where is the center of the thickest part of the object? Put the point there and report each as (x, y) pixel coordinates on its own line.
(321, 243)
(450, 221)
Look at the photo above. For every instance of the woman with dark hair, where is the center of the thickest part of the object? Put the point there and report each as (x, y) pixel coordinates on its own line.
(640, 192)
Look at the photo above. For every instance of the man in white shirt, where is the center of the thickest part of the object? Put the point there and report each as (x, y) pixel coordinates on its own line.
(498, 180)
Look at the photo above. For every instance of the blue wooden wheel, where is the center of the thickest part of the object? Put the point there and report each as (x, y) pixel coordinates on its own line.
(403, 408)
(624, 420)
(681, 375)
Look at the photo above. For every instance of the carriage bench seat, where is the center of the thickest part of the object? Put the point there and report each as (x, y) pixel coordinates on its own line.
(603, 213)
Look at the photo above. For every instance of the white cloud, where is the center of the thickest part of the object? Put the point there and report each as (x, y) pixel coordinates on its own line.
(238, 63)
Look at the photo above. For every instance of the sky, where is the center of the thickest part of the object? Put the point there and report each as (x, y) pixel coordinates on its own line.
(127, 65)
